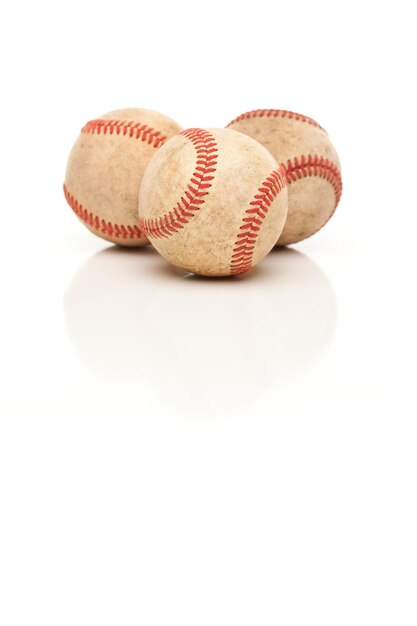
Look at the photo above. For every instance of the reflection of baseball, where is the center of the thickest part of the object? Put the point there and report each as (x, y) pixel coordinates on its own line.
(105, 169)
(312, 164)
(213, 202)
(259, 327)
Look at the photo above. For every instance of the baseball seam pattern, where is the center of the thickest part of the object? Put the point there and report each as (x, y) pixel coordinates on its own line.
(127, 128)
(315, 165)
(276, 113)
(242, 254)
(117, 231)
(193, 198)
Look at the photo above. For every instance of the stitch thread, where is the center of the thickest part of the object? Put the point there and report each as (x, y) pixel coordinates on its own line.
(276, 113)
(193, 198)
(242, 254)
(315, 165)
(117, 231)
(128, 128)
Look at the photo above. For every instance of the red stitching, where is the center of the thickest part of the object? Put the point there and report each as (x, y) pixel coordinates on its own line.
(118, 231)
(276, 113)
(193, 198)
(315, 165)
(132, 129)
(252, 222)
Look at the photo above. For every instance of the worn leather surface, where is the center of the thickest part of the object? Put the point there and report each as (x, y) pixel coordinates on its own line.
(105, 170)
(312, 199)
(207, 242)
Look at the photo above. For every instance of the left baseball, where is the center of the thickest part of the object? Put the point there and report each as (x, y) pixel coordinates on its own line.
(105, 170)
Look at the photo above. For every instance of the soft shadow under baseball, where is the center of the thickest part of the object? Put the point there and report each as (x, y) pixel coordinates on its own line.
(202, 344)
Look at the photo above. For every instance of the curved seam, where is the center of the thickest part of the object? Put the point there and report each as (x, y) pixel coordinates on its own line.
(271, 187)
(193, 197)
(315, 165)
(136, 130)
(276, 113)
(118, 231)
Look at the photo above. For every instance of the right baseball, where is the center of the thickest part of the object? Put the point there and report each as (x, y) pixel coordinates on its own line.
(213, 202)
(312, 165)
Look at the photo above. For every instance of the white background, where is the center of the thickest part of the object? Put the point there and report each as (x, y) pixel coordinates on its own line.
(200, 452)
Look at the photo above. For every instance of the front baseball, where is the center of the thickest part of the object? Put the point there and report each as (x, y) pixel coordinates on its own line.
(312, 165)
(105, 169)
(213, 202)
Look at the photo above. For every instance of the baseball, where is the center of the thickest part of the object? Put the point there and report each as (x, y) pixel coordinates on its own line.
(105, 169)
(213, 202)
(311, 162)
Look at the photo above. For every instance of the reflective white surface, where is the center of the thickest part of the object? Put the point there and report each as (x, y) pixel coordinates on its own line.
(204, 345)
(191, 452)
